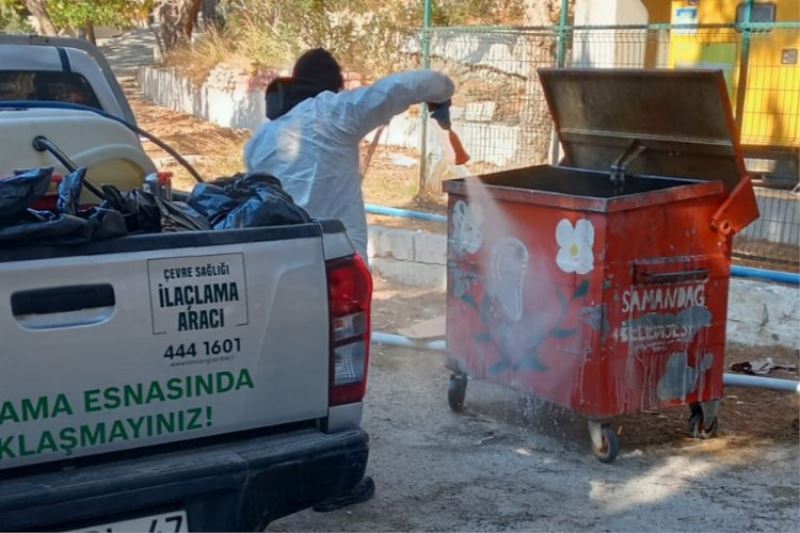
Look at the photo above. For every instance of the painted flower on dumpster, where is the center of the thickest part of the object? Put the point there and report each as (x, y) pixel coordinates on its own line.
(575, 246)
(466, 220)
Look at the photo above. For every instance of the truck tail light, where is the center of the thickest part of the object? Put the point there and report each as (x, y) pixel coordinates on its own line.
(350, 296)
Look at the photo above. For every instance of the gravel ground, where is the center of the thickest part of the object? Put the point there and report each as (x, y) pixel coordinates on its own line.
(509, 464)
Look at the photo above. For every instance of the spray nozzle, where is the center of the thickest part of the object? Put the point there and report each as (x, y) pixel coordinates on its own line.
(441, 114)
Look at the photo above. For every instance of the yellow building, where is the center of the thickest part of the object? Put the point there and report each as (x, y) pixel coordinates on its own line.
(771, 105)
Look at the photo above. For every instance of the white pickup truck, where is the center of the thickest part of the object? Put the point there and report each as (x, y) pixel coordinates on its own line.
(185, 381)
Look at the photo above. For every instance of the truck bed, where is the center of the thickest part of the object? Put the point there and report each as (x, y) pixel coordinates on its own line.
(152, 339)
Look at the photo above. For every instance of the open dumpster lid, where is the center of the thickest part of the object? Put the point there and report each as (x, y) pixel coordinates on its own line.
(682, 118)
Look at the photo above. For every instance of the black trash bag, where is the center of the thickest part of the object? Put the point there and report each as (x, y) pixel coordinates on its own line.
(145, 212)
(69, 192)
(246, 201)
(178, 216)
(19, 192)
(106, 224)
(43, 227)
(68, 225)
(211, 201)
(139, 209)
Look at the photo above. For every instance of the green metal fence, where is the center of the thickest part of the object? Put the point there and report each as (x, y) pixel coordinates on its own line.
(501, 116)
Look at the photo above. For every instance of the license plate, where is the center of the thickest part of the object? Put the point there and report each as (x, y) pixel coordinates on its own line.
(175, 522)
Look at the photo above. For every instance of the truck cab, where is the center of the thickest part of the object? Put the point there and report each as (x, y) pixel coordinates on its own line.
(184, 381)
(43, 70)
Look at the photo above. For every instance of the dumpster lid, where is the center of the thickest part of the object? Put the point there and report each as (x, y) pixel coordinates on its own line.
(682, 118)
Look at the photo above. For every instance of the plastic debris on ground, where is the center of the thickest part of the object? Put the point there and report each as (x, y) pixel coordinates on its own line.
(631, 455)
(760, 367)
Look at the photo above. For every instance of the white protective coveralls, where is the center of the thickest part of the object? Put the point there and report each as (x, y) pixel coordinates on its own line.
(314, 148)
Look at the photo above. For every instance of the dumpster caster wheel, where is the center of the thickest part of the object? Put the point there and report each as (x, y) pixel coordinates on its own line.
(457, 392)
(697, 427)
(605, 443)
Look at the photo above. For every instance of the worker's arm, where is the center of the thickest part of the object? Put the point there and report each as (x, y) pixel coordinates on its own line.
(360, 111)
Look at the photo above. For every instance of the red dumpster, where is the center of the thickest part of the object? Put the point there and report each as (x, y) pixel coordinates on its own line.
(601, 284)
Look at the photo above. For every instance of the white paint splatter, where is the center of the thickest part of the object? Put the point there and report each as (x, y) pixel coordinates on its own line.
(507, 275)
(466, 219)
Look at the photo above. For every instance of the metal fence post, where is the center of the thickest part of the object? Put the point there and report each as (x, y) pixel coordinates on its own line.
(744, 64)
(561, 52)
(426, 64)
(563, 21)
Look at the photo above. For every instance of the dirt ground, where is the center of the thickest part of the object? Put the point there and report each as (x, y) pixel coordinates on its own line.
(508, 463)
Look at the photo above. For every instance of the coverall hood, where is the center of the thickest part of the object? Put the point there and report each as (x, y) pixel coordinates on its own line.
(315, 72)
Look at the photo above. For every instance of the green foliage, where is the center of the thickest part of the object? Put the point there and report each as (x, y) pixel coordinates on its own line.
(464, 12)
(12, 17)
(78, 13)
(368, 36)
(364, 34)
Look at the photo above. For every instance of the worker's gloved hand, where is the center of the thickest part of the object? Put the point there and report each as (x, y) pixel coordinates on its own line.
(441, 114)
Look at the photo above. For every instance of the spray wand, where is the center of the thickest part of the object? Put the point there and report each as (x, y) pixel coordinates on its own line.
(441, 114)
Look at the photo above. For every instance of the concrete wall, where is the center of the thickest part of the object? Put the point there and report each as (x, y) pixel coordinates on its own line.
(409, 257)
(780, 217)
(227, 98)
(759, 314)
(762, 314)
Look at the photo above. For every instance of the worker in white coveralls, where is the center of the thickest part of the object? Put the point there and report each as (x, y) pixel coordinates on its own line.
(312, 139)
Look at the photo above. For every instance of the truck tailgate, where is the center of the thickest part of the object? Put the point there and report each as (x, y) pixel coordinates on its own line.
(158, 338)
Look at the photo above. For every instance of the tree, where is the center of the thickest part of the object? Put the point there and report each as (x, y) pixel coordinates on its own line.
(53, 16)
(176, 19)
(86, 14)
(40, 12)
(13, 17)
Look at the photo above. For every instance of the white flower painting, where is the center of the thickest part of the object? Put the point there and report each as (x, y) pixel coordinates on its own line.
(575, 246)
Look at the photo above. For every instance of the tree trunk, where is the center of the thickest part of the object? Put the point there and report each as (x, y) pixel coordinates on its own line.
(170, 27)
(45, 25)
(176, 20)
(89, 33)
(191, 17)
